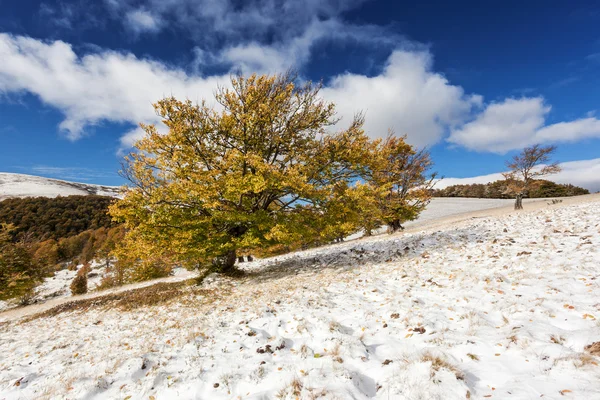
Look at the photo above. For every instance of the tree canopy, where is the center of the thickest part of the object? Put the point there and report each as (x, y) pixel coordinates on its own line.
(260, 171)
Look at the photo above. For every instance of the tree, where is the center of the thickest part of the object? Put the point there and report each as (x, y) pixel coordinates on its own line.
(258, 172)
(401, 185)
(18, 274)
(527, 166)
(79, 283)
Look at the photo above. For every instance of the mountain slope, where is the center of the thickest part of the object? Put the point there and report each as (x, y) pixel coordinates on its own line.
(20, 185)
(495, 307)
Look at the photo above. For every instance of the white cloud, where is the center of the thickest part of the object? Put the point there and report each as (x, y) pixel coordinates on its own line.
(106, 86)
(583, 173)
(516, 123)
(204, 20)
(572, 131)
(407, 97)
(294, 51)
(116, 87)
(140, 21)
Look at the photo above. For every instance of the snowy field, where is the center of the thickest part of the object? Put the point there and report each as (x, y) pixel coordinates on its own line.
(499, 307)
(441, 207)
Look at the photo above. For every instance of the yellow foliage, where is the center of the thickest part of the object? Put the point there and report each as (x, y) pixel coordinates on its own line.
(260, 173)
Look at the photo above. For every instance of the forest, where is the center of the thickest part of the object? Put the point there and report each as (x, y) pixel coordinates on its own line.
(42, 218)
(41, 235)
(499, 190)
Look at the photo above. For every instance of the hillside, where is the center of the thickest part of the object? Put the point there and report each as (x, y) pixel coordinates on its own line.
(492, 307)
(20, 185)
(42, 218)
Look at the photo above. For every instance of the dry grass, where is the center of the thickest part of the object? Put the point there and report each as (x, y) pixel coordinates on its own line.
(438, 363)
(294, 388)
(579, 360)
(159, 293)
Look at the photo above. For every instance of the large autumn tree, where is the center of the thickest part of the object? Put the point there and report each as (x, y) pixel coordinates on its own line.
(261, 171)
(526, 168)
(248, 174)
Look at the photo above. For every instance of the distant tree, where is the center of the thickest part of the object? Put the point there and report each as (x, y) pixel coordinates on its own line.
(539, 188)
(41, 218)
(527, 166)
(79, 283)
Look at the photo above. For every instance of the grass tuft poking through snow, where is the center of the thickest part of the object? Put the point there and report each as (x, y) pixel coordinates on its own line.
(505, 307)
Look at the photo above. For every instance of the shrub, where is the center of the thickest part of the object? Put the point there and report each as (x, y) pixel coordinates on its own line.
(79, 284)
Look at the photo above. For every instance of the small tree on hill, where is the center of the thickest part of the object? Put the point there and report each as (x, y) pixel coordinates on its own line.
(526, 167)
(79, 284)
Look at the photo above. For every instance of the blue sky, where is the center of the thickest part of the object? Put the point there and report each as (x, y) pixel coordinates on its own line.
(474, 81)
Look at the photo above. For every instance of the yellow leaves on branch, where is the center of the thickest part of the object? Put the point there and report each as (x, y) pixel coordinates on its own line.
(262, 171)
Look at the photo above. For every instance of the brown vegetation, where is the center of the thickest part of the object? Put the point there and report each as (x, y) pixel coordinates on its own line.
(42, 218)
(499, 190)
(128, 300)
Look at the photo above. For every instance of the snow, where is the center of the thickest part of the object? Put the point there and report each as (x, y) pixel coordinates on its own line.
(496, 307)
(20, 185)
(441, 207)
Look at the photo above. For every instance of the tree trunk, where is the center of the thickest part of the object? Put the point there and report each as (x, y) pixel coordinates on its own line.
(225, 263)
(396, 226)
(240, 259)
(519, 202)
(250, 259)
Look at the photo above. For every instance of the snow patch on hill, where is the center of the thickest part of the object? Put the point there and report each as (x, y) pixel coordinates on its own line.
(20, 185)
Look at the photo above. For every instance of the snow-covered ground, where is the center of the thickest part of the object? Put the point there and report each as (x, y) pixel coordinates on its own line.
(499, 307)
(441, 207)
(20, 185)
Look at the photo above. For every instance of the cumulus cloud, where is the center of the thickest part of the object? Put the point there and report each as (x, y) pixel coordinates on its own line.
(408, 96)
(118, 87)
(516, 123)
(584, 173)
(267, 36)
(106, 86)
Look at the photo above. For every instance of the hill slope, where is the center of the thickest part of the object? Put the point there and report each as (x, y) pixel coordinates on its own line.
(499, 307)
(20, 185)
